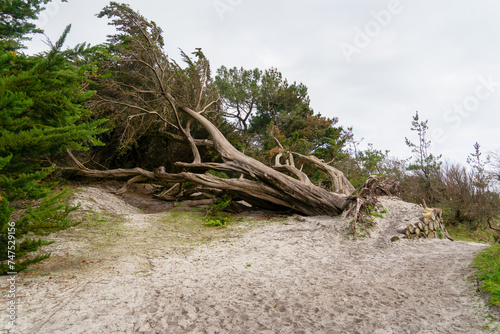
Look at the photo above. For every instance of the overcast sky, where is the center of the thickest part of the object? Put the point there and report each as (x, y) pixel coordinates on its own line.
(371, 63)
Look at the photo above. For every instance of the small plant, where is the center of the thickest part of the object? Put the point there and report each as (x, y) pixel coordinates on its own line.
(362, 230)
(215, 215)
(371, 211)
(440, 233)
(216, 222)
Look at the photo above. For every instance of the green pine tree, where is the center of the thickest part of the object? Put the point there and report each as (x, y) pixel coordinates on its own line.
(425, 164)
(41, 115)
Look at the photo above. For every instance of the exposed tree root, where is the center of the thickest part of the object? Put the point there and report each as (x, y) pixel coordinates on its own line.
(366, 200)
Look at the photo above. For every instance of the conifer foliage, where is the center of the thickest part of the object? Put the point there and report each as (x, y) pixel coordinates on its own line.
(16, 21)
(41, 114)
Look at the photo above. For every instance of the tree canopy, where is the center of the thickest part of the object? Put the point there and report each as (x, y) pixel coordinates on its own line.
(265, 107)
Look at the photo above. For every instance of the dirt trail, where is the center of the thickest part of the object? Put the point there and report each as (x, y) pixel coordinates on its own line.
(149, 275)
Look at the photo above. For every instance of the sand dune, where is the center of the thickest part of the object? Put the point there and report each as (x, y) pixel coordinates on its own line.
(291, 276)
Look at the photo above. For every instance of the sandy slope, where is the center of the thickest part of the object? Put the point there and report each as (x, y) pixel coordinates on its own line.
(291, 276)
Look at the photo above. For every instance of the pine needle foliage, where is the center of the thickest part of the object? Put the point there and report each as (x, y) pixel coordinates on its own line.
(41, 114)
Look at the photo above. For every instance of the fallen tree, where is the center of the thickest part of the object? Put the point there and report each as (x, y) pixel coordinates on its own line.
(148, 90)
(258, 184)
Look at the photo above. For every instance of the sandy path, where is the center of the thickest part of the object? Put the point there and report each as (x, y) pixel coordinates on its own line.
(288, 277)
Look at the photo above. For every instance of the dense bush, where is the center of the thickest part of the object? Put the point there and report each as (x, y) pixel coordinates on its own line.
(467, 203)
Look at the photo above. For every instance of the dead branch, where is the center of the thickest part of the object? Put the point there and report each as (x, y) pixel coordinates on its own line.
(199, 202)
(133, 180)
(340, 184)
(289, 165)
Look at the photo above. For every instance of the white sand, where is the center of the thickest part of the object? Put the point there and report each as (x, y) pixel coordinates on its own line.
(288, 277)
